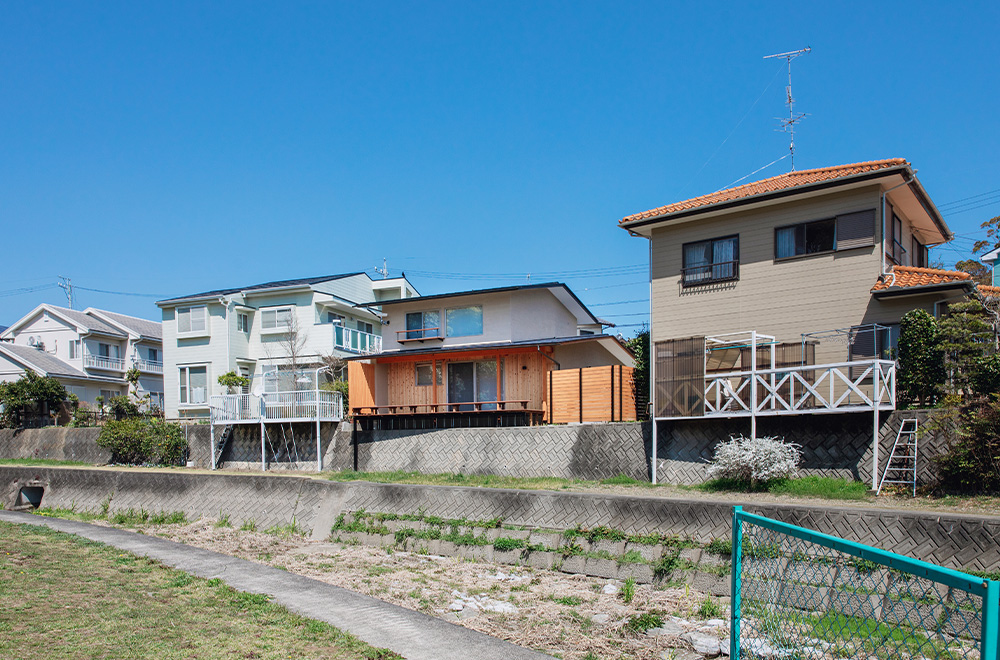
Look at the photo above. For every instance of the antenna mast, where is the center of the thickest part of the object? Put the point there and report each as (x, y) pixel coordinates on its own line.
(384, 270)
(788, 125)
(67, 285)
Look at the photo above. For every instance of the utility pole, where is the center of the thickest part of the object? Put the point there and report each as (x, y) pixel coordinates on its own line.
(384, 270)
(788, 125)
(66, 285)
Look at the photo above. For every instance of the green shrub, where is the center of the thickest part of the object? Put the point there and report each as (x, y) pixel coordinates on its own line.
(972, 463)
(135, 440)
(640, 623)
(721, 547)
(121, 407)
(628, 590)
(505, 544)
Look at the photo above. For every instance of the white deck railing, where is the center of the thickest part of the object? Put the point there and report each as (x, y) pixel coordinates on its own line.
(101, 362)
(859, 385)
(149, 366)
(356, 341)
(303, 405)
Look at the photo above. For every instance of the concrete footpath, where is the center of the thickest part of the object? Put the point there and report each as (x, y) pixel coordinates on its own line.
(413, 635)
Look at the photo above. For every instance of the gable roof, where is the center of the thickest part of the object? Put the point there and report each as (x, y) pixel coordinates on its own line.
(912, 279)
(304, 281)
(75, 317)
(40, 361)
(141, 327)
(766, 187)
(559, 290)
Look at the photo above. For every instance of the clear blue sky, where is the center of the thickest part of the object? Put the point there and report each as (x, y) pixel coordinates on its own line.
(180, 147)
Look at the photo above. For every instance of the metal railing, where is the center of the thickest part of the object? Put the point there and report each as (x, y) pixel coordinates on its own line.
(149, 366)
(102, 362)
(858, 385)
(797, 593)
(414, 334)
(356, 341)
(303, 405)
(722, 271)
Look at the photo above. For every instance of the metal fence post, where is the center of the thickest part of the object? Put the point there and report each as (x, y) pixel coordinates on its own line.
(735, 584)
(991, 610)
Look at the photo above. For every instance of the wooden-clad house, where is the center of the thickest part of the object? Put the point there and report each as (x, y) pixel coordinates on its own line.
(492, 357)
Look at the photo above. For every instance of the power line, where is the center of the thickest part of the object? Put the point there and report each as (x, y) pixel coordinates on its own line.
(614, 286)
(620, 302)
(27, 289)
(123, 293)
(970, 197)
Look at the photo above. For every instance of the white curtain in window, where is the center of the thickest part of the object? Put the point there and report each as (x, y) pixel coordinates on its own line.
(724, 253)
(786, 242)
(697, 258)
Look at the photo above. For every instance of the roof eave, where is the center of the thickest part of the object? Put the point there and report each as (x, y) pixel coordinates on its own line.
(900, 291)
(763, 197)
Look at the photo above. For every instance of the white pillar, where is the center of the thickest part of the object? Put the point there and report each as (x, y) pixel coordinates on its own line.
(211, 429)
(876, 398)
(753, 384)
(319, 456)
(653, 459)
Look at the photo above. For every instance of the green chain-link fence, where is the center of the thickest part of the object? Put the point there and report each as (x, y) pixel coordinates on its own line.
(797, 593)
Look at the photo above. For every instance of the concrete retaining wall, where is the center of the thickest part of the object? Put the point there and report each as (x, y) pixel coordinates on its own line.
(953, 540)
(53, 442)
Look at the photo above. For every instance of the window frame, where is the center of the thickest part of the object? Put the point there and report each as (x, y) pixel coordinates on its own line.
(75, 347)
(190, 312)
(422, 331)
(429, 365)
(277, 329)
(832, 219)
(184, 385)
(734, 277)
(243, 322)
(482, 321)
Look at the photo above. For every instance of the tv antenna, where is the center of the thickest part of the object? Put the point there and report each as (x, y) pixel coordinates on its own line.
(788, 125)
(383, 271)
(66, 285)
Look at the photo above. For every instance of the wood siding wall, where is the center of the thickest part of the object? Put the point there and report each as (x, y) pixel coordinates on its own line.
(592, 394)
(360, 384)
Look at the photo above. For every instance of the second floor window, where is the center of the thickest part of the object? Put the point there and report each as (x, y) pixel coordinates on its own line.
(108, 351)
(192, 319)
(918, 256)
(423, 324)
(842, 232)
(276, 319)
(365, 327)
(154, 355)
(243, 322)
(465, 321)
(74, 349)
(715, 260)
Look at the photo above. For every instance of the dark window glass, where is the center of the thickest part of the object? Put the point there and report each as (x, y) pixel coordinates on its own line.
(716, 260)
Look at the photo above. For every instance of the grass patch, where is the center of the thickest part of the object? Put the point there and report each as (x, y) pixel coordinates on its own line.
(721, 547)
(568, 601)
(628, 590)
(709, 609)
(622, 480)
(40, 461)
(640, 623)
(505, 544)
(117, 605)
(813, 487)
(483, 480)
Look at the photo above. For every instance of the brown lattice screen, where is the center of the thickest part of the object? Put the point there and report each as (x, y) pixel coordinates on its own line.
(680, 377)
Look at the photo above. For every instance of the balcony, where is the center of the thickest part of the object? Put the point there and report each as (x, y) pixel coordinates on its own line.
(149, 366)
(418, 334)
(299, 406)
(103, 362)
(356, 341)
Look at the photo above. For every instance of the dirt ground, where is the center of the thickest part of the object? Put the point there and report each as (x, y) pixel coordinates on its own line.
(568, 616)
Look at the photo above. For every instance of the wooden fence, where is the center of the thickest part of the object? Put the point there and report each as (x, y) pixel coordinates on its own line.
(592, 394)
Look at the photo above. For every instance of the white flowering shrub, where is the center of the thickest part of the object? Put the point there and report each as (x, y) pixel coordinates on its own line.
(755, 460)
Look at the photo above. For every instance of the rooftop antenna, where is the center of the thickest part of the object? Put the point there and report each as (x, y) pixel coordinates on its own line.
(66, 284)
(788, 125)
(383, 271)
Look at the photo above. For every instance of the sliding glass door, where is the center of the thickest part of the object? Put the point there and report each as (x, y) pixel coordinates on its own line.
(474, 381)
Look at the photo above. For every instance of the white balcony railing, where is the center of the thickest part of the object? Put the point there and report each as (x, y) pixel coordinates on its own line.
(356, 341)
(102, 362)
(859, 385)
(149, 366)
(303, 405)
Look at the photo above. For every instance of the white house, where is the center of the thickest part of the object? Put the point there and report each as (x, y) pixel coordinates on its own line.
(87, 351)
(276, 334)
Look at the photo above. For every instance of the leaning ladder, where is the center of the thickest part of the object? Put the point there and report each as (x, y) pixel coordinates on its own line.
(227, 434)
(901, 468)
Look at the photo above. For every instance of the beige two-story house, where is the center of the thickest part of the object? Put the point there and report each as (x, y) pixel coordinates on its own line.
(782, 276)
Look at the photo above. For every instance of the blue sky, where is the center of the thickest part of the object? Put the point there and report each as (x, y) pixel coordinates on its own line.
(170, 148)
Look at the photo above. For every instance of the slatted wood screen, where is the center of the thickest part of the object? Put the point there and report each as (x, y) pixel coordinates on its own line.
(360, 384)
(592, 394)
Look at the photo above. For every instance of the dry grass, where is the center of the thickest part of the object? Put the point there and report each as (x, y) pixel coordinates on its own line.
(554, 609)
(65, 597)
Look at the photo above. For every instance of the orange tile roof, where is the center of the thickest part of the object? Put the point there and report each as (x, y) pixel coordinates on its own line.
(773, 184)
(989, 291)
(911, 276)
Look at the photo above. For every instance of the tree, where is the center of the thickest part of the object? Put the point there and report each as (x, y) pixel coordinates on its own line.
(992, 240)
(921, 360)
(981, 274)
(30, 394)
(233, 382)
(967, 335)
(639, 346)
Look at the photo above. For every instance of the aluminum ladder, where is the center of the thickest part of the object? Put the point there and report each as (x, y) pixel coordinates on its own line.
(227, 434)
(901, 468)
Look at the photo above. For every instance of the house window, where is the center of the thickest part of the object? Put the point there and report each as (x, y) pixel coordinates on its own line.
(716, 260)
(424, 374)
(919, 254)
(423, 324)
(365, 327)
(276, 319)
(109, 350)
(894, 233)
(192, 319)
(334, 318)
(107, 395)
(464, 321)
(842, 232)
(156, 400)
(193, 385)
(243, 322)
(74, 349)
